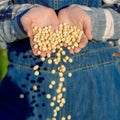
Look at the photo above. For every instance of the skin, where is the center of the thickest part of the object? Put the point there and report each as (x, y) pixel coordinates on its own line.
(72, 15)
(33, 18)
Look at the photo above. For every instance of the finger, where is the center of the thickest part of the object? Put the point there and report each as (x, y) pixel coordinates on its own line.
(34, 49)
(27, 25)
(88, 29)
(83, 42)
(77, 50)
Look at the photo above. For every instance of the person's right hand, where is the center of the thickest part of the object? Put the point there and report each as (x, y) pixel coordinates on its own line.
(39, 16)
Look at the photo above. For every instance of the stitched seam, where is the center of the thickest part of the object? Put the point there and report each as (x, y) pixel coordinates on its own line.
(72, 70)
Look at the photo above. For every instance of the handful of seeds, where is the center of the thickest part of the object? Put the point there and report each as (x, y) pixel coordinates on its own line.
(52, 42)
(48, 41)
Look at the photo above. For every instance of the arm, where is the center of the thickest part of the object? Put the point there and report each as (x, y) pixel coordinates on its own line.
(97, 23)
(105, 23)
(10, 29)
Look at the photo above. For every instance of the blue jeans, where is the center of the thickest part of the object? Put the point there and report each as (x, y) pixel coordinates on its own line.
(92, 93)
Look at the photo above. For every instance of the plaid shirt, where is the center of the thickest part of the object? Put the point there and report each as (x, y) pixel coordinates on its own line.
(105, 21)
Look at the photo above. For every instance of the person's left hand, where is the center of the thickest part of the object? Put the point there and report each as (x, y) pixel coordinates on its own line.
(74, 15)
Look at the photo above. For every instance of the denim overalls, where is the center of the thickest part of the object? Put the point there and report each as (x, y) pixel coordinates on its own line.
(91, 93)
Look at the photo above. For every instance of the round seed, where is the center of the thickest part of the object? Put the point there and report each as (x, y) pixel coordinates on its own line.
(62, 79)
(69, 117)
(53, 82)
(50, 86)
(35, 88)
(53, 71)
(49, 61)
(48, 96)
(63, 118)
(36, 73)
(52, 104)
(69, 74)
(35, 67)
(21, 96)
(42, 58)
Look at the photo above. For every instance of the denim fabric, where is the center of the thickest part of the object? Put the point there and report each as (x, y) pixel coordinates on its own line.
(92, 91)
(58, 4)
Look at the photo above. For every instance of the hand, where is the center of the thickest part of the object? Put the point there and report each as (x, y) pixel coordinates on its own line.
(39, 16)
(74, 15)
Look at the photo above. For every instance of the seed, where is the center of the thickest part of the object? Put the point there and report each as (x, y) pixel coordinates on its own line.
(49, 61)
(48, 96)
(53, 71)
(35, 46)
(52, 104)
(69, 74)
(21, 96)
(50, 86)
(53, 118)
(42, 58)
(70, 60)
(60, 74)
(63, 100)
(58, 90)
(36, 73)
(62, 79)
(35, 88)
(53, 82)
(57, 108)
(69, 117)
(59, 96)
(64, 89)
(54, 98)
(63, 118)
(35, 67)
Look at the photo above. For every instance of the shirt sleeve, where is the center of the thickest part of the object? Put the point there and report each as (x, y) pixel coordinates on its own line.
(105, 23)
(10, 27)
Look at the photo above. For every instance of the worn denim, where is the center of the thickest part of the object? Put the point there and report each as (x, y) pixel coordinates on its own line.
(93, 91)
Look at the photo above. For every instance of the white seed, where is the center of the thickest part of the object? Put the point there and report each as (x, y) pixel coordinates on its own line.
(64, 89)
(60, 74)
(63, 118)
(53, 71)
(48, 96)
(42, 58)
(69, 74)
(35, 88)
(62, 79)
(49, 61)
(53, 82)
(36, 73)
(70, 60)
(21, 96)
(52, 104)
(54, 98)
(69, 117)
(50, 86)
(35, 67)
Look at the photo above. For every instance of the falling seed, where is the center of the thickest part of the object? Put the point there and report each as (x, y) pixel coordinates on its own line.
(48, 96)
(21, 96)
(69, 117)
(53, 71)
(35, 67)
(69, 74)
(36, 73)
(35, 88)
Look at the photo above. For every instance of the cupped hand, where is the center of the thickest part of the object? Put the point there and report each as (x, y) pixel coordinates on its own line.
(39, 16)
(74, 15)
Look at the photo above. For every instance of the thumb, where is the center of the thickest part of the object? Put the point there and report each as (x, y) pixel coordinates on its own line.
(27, 25)
(88, 29)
